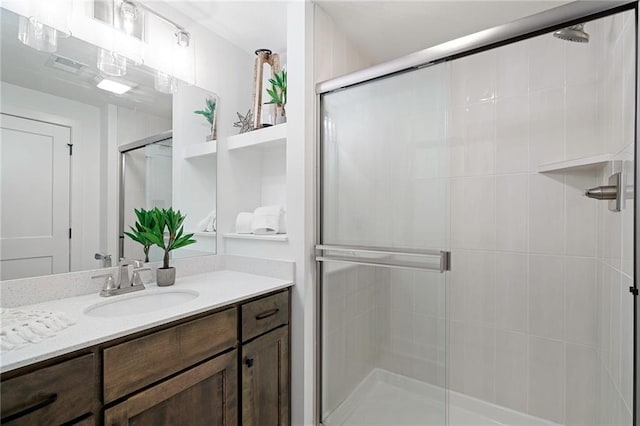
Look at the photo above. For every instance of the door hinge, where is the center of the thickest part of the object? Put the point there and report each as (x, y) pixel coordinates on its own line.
(70, 145)
(633, 290)
(69, 233)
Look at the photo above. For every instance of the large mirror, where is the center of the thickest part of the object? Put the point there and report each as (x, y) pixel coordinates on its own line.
(81, 149)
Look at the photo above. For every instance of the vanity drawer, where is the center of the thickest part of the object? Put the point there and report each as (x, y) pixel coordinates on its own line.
(265, 314)
(140, 362)
(51, 395)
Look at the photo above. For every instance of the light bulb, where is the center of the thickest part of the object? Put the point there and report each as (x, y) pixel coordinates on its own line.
(164, 83)
(36, 35)
(111, 63)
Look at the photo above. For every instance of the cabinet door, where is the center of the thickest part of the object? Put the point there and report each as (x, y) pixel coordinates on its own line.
(265, 379)
(202, 395)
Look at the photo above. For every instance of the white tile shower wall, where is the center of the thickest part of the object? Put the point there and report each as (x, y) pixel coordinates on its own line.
(538, 298)
(614, 332)
(351, 337)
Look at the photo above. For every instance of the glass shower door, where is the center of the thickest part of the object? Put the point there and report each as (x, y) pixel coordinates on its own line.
(383, 253)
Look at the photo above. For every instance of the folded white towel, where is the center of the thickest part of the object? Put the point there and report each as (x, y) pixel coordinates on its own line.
(243, 223)
(266, 220)
(208, 224)
(22, 327)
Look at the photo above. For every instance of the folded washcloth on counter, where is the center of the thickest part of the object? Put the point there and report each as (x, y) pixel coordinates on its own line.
(22, 327)
(243, 223)
(208, 224)
(267, 220)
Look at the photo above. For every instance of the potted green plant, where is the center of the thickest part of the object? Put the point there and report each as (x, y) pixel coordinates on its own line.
(278, 95)
(137, 234)
(209, 113)
(167, 233)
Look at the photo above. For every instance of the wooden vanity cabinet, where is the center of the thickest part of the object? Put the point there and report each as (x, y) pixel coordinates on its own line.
(148, 359)
(265, 361)
(57, 394)
(203, 395)
(225, 368)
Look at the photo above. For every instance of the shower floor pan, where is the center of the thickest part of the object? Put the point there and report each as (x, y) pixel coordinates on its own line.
(389, 399)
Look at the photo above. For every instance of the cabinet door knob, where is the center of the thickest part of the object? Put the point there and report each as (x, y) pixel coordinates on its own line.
(249, 362)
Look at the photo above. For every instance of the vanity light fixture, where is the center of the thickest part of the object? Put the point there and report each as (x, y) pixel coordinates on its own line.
(183, 38)
(164, 83)
(111, 63)
(45, 23)
(37, 35)
(113, 86)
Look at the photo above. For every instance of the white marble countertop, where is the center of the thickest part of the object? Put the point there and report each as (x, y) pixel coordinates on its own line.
(216, 289)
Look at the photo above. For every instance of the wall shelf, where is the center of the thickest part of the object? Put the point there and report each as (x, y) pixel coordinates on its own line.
(276, 237)
(201, 149)
(203, 234)
(582, 163)
(263, 138)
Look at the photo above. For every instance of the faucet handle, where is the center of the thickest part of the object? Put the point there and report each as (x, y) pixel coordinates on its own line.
(136, 279)
(135, 262)
(109, 283)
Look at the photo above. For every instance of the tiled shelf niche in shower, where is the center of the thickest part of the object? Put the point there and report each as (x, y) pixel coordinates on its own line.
(561, 166)
(596, 163)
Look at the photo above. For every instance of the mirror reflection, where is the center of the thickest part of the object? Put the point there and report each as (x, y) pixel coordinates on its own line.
(80, 150)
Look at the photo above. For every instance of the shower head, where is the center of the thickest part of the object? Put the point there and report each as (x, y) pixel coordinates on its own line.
(573, 33)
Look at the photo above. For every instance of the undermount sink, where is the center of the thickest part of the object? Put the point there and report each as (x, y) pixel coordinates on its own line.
(140, 303)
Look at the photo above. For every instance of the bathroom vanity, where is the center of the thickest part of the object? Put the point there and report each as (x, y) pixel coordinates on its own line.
(226, 365)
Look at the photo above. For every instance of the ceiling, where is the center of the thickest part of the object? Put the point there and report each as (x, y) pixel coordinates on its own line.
(29, 68)
(385, 30)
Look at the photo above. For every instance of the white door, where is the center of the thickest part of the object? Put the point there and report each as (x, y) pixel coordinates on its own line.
(34, 198)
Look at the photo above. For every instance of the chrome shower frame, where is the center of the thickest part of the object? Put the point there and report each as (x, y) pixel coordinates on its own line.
(545, 22)
(121, 179)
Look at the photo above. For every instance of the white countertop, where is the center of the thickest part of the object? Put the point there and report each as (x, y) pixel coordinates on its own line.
(216, 289)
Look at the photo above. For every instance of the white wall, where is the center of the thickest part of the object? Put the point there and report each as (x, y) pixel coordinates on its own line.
(84, 121)
(334, 53)
(195, 180)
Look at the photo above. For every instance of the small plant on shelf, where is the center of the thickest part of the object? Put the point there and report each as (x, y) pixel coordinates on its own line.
(209, 113)
(278, 94)
(145, 221)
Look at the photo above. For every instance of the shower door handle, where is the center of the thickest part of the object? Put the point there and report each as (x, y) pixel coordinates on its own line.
(385, 257)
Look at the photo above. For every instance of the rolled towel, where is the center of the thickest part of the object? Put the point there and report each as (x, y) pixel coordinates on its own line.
(266, 220)
(243, 223)
(208, 223)
(283, 223)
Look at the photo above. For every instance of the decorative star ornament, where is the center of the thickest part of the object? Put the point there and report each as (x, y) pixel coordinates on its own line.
(244, 122)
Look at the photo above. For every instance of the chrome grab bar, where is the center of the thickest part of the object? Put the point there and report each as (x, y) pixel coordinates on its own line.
(444, 257)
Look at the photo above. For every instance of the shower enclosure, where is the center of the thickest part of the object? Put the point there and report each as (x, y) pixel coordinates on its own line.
(476, 229)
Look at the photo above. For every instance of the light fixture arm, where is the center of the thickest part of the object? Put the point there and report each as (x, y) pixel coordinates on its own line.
(164, 18)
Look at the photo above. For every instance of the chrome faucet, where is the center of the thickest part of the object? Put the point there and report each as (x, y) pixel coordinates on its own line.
(123, 284)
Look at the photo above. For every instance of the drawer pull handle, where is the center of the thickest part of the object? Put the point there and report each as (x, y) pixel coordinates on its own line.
(48, 400)
(249, 362)
(267, 314)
